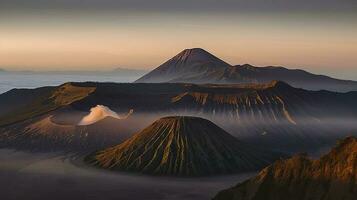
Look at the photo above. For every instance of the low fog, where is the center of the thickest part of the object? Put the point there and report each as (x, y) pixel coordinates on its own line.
(307, 134)
(39, 175)
(54, 176)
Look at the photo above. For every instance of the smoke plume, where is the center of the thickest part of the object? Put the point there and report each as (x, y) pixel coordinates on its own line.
(100, 112)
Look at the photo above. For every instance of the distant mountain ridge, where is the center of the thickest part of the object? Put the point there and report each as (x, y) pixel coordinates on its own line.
(199, 66)
(130, 72)
(183, 146)
(332, 177)
(116, 71)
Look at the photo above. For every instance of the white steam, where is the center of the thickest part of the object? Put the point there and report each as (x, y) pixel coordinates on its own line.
(100, 112)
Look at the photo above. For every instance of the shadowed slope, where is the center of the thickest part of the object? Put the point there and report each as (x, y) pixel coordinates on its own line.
(183, 146)
(333, 177)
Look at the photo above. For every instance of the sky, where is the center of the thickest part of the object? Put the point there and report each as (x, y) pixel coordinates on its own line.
(316, 35)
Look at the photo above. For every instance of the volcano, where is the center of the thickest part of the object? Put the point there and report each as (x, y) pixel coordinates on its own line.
(183, 146)
(188, 64)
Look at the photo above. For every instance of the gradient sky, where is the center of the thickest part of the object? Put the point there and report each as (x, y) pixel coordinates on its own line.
(316, 35)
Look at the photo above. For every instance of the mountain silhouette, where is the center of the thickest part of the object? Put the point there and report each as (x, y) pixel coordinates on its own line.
(199, 66)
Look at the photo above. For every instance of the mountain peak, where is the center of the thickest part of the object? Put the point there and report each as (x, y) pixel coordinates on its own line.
(197, 55)
(195, 52)
(343, 149)
(189, 63)
(196, 49)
